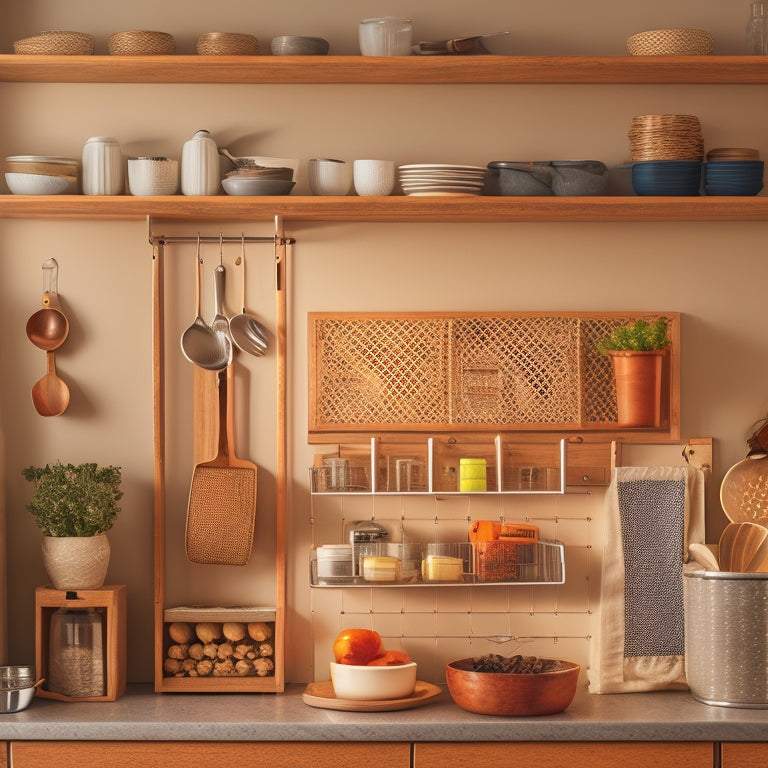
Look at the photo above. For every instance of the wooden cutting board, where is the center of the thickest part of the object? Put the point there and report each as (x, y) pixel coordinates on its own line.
(322, 695)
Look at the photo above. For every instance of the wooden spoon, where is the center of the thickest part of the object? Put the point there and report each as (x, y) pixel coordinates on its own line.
(757, 562)
(703, 555)
(727, 554)
(50, 394)
(748, 539)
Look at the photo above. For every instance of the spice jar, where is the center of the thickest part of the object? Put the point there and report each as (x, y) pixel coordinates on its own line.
(75, 654)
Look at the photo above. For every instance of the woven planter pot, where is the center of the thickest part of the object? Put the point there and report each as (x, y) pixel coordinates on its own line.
(76, 562)
(638, 387)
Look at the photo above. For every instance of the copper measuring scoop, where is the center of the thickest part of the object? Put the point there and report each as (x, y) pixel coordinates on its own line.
(48, 329)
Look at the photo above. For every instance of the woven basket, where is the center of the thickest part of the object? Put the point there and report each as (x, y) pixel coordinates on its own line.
(666, 137)
(55, 43)
(141, 43)
(227, 44)
(76, 562)
(671, 42)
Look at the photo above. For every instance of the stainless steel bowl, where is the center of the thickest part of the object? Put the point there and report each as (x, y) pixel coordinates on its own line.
(14, 700)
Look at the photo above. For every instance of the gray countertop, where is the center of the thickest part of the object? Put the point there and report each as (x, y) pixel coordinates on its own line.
(142, 715)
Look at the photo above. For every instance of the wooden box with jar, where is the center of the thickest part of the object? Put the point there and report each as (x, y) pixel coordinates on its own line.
(81, 643)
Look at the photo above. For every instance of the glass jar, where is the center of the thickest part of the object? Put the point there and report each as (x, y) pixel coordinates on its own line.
(757, 29)
(385, 36)
(75, 653)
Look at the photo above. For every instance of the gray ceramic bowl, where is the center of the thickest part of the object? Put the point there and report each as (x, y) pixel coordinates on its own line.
(297, 45)
(244, 185)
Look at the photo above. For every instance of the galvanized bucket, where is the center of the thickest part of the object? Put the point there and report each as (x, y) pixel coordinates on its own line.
(726, 638)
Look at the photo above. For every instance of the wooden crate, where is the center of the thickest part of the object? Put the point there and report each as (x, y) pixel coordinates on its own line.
(112, 602)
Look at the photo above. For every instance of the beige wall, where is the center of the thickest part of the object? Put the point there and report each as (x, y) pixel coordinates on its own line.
(713, 273)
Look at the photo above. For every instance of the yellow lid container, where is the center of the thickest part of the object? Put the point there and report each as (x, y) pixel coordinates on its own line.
(472, 475)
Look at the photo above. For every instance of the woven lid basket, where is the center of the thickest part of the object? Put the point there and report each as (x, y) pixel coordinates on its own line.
(141, 43)
(56, 43)
(666, 137)
(227, 44)
(671, 42)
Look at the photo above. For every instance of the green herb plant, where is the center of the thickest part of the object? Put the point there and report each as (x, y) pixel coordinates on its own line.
(639, 336)
(74, 500)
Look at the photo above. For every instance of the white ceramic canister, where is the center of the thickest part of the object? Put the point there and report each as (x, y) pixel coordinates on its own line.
(103, 172)
(200, 166)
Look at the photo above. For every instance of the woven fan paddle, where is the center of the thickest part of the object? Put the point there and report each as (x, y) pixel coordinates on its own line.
(222, 499)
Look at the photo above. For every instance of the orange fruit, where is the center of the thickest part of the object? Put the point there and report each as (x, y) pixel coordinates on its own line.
(391, 659)
(357, 646)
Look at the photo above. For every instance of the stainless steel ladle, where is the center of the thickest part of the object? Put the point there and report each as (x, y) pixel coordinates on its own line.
(247, 333)
(199, 343)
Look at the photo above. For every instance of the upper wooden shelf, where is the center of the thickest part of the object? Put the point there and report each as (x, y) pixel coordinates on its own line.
(397, 208)
(387, 69)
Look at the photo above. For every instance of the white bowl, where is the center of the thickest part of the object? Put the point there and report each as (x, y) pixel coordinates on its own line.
(40, 184)
(153, 176)
(373, 683)
(249, 185)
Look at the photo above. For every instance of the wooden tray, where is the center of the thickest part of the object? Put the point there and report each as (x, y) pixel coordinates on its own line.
(322, 695)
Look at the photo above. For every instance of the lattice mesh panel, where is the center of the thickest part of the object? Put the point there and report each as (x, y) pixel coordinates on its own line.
(381, 371)
(515, 370)
(442, 371)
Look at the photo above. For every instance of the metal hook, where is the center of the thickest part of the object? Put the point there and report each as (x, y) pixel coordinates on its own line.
(199, 258)
(241, 258)
(221, 249)
(50, 276)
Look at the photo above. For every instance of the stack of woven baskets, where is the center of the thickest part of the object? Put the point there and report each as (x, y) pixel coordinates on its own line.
(666, 137)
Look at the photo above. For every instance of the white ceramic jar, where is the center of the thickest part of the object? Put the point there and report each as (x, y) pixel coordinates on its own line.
(200, 166)
(103, 172)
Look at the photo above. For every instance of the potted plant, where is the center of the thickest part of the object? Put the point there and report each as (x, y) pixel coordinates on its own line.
(637, 352)
(74, 507)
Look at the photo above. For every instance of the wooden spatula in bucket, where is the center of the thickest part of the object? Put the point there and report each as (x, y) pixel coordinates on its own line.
(221, 513)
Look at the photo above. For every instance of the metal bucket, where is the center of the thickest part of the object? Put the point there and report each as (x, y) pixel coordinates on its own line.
(726, 638)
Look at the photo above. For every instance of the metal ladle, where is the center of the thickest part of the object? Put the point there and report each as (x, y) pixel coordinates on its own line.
(199, 343)
(246, 331)
(48, 328)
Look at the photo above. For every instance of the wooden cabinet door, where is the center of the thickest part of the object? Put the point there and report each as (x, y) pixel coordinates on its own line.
(565, 755)
(746, 755)
(183, 754)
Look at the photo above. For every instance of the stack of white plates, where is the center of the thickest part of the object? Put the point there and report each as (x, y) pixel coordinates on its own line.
(440, 179)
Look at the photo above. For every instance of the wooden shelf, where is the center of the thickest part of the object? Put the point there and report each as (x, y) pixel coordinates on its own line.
(386, 209)
(388, 69)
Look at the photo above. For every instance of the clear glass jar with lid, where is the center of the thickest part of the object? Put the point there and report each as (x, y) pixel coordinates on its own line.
(76, 653)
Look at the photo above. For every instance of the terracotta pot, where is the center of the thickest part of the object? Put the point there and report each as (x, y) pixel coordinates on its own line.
(638, 377)
(76, 562)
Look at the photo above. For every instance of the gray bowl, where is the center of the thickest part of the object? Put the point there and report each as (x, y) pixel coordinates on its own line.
(252, 185)
(556, 177)
(16, 699)
(297, 45)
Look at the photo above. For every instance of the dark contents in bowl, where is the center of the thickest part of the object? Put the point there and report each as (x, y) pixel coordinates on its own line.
(495, 662)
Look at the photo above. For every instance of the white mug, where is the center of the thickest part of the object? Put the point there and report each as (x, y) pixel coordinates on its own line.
(329, 177)
(374, 177)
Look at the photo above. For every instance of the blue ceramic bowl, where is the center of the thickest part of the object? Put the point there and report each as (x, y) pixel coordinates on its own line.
(734, 178)
(666, 177)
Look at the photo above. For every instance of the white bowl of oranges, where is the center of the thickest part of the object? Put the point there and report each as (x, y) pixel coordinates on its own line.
(365, 671)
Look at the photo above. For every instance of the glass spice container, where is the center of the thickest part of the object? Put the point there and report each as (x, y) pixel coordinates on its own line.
(757, 29)
(75, 653)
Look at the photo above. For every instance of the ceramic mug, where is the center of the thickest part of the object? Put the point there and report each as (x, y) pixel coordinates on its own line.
(374, 177)
(329, 177)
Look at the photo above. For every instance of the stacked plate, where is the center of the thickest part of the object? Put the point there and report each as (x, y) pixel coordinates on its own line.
(441, 179)
(666, 137)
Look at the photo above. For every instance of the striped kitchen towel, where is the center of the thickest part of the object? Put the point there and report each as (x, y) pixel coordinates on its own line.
(651, 515)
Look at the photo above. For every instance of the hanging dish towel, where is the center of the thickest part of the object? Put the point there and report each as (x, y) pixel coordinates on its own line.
(651, 515)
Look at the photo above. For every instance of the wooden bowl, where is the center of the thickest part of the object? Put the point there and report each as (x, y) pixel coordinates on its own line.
(510, 693)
